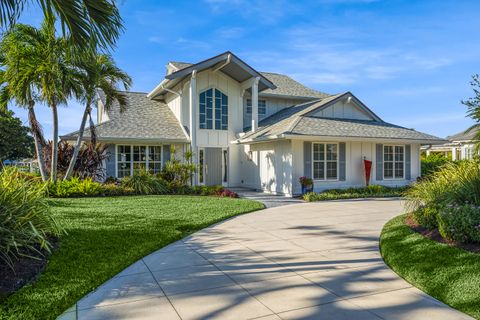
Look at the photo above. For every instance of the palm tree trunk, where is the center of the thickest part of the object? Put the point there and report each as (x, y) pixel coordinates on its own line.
(38, 139)
(76, 150)
(53, 170)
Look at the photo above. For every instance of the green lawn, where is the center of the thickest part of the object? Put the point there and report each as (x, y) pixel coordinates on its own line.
(105, 235)
(449, 274)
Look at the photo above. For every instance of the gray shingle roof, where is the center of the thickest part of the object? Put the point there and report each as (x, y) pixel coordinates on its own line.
(143, 119)
(286, 86)
(297, 120)
(356, 128)
(464, 136)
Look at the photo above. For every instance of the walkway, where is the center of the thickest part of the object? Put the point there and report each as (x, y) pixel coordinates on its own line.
(304, 261)
(269, 200)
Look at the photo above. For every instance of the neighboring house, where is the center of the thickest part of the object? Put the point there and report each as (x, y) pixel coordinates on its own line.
(256, 129)
(460, 146)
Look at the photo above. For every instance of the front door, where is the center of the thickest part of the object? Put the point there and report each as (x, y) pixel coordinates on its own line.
(213, 166)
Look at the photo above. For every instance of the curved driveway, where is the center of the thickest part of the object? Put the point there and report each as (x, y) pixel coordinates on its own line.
(303, 261)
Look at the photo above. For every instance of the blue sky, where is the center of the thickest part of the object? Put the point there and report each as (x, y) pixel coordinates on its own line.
(409, 61)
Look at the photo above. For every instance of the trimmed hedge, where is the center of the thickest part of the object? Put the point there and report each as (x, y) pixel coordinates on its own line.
(372, 191)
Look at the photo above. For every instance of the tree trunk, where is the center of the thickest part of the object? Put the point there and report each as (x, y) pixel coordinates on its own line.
(38, 139)
(76, 150)
(53, 170)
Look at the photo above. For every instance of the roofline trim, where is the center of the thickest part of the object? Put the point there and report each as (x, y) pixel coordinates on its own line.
(216, 59)
(334, 138)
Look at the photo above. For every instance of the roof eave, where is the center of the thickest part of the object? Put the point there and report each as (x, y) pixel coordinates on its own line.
(205, 64)
(335, 138)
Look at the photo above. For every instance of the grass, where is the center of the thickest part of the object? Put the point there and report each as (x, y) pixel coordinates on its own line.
(449, 274)
(105, 235)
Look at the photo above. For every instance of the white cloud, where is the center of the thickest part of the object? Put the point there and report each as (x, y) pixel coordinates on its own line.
(230, 33)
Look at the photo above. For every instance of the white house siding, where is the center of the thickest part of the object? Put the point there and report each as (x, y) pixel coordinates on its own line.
(214, 138)
(343, 110)
(355, 152)
(270, 168)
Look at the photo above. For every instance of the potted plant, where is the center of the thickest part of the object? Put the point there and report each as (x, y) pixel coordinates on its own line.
(307, 184)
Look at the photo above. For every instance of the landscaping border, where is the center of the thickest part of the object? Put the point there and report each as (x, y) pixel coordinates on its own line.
(449, 274)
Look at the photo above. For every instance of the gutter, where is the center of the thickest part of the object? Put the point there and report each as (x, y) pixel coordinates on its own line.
(154, 92)
(229, 58)
(333, 138)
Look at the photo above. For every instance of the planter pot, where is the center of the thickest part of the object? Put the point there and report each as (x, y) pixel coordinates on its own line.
(306, 189)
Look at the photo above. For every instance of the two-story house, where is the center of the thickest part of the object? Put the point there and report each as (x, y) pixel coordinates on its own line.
(255, 129)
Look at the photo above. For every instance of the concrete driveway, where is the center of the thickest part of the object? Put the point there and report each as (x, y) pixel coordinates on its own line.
(302, 261)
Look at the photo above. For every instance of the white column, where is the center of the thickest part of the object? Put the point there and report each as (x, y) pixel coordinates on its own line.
(255, 104)
(193, 118)
(454, 153)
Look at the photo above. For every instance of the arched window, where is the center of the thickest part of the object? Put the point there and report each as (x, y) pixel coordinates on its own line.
(213, 110)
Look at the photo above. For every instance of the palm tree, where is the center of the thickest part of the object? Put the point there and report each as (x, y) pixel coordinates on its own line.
(83, 20)
(99, 72)
(473, 110)
(44, 60)
(18, 83)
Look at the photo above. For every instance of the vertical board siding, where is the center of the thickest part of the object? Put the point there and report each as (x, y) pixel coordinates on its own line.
(342, 162)
(110, 162)
(379, 161)
(408, 162)
(307, 159)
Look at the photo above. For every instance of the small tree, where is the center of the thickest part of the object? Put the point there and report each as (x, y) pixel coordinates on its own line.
(15, 141)
(473, 108)
(177, 173)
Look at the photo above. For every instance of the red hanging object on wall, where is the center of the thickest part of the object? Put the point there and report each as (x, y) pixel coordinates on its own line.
(368, 169)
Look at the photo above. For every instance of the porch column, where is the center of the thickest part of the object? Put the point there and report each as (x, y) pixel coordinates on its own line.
(454, 153)
(193, 119)
(255, 104)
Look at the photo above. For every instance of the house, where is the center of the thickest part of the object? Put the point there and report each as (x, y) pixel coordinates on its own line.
(460, 146)
(256, 129)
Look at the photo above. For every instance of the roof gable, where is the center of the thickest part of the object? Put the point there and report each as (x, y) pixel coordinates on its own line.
(303, 120)
(229, 64)
(285, 86)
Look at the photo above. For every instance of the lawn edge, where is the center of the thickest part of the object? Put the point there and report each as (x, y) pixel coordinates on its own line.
(406, 233)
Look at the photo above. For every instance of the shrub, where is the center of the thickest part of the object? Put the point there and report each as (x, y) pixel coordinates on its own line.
(142, 182)
(454, 183)
(460, 223)
(225, 193)
(426, 217)
(74, 187)
(176, 173)
(207, 190)
(433, 163)
(111, 190)
(25, 221)
(371, 191)
(89, 162)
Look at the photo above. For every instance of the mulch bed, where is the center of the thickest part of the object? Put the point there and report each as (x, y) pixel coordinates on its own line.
(25, 270)
(436, 236)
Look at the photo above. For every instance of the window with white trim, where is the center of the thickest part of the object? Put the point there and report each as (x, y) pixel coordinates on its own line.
(393, 162)
(262, 107)
(325, 161)
(135, 158)
(213, 110)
